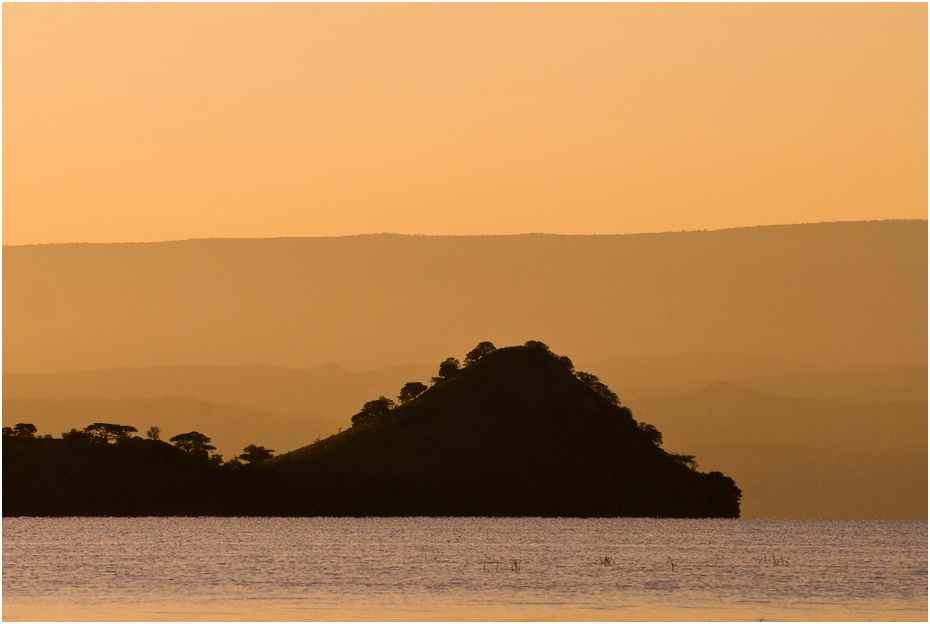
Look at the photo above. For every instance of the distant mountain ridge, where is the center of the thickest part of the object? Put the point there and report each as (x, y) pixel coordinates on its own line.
(899, 384)
(320, 391)
(829, 295)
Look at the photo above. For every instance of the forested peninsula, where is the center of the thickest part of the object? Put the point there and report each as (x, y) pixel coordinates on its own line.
(515, 431)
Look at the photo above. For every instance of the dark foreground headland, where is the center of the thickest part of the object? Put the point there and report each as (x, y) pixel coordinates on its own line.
(515, 432)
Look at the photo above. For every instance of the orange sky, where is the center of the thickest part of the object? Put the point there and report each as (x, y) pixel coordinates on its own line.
(140, 122)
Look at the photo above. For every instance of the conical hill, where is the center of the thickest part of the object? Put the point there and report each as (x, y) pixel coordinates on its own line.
(514, 433)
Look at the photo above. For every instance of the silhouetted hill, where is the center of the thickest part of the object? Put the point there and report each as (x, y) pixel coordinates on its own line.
(828, 295)
(515, 433)
(857, 421)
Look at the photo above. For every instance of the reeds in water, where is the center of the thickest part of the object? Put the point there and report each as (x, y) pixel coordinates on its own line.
(775, 560)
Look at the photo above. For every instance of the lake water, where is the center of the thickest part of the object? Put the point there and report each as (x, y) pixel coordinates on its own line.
(462, 568)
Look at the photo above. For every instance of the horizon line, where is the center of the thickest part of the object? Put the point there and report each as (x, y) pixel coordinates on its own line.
(254, 238)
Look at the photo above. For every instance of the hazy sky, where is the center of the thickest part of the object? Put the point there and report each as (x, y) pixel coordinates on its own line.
(140, 122)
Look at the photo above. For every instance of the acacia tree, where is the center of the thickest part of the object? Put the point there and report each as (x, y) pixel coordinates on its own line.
(76, 436)
(686, 460)
(536, 344)
(593, 382)
(410, 391)
(104, 432)
(193, 442)
(652, 434)
(479, 352)
(21, 430)
(256, 454)
(448, 369)
(374, 409)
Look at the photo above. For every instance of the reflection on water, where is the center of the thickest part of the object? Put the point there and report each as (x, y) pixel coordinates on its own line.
(462, 568)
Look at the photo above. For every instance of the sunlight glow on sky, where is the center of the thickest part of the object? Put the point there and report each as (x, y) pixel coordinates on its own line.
(143, 122)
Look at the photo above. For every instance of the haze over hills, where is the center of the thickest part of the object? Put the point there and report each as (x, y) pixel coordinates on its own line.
(900, 384)
(319, 393)
(807, 446)
(675, 373)
(790, 482)
(235, 405)
(515, 432)
(804, 457)
(822, 328)
(752, 417)
(830, 295)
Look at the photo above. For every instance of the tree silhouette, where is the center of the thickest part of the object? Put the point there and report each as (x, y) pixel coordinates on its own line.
(536, 344)
(374, 409)
(104, 432)
(154, 433)
(197, 444)
(448, 369)
(651, 433)
(687, 460)
(598, 386)
(410, 391)
(256, 454)
(77, 436)
(479, 352)
(21, 430)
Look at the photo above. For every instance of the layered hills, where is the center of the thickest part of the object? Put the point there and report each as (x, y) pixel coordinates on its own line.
(800, 443)
(229, 337)
(237, 405)
(806, 456)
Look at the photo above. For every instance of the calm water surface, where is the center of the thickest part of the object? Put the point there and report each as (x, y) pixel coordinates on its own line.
(462, 568)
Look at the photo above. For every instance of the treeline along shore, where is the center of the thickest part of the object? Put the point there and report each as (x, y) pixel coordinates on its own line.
(515, 431)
